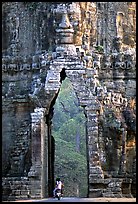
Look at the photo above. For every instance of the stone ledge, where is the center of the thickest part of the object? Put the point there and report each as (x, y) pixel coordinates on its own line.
(94, 193)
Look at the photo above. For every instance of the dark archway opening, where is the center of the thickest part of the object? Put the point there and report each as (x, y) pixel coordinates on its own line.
(69, 132)
(51, 150)
(51, 142)
(71, 167)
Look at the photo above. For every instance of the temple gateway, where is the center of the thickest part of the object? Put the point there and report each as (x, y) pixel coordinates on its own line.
(93, 44)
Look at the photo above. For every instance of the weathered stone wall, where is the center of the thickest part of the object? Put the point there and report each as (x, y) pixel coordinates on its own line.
(93, 44)
(16, 187)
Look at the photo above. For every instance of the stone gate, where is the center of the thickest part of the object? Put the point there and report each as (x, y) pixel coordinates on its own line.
(102, 80)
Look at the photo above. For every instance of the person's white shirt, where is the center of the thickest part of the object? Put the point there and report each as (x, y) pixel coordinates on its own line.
(59, 185)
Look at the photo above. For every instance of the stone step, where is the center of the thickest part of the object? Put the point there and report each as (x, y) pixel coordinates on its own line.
(94, 193)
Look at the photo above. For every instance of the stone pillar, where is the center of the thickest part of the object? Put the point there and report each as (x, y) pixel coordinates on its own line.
(47, 155)
(95, 171)
(36, 137)
(35, 171)
(50, 155)
(44, 156)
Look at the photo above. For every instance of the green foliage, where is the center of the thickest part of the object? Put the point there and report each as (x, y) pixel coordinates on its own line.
(69, 119)
(70, 139)
(99, 48)
(72, 166)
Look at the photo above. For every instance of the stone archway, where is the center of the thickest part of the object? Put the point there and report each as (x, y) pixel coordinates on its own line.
(66, 63)
(76, 73)
(45, 75)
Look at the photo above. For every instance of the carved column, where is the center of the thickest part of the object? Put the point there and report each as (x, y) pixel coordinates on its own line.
(95, 171)
(37, 147)
(44, 156)
(36, 137)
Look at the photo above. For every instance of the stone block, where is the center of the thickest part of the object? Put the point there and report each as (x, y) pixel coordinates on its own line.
(95, 193)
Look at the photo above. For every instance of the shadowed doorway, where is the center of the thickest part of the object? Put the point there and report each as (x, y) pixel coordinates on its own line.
(69, 132)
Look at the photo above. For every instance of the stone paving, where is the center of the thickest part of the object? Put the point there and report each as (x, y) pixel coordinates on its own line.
(69, 199)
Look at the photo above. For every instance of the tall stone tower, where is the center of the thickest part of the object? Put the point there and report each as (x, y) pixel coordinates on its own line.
(94, 45)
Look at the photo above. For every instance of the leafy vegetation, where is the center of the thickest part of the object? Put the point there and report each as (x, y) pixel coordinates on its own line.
(70, 141)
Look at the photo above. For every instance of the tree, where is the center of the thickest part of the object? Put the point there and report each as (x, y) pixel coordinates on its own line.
(70, 140)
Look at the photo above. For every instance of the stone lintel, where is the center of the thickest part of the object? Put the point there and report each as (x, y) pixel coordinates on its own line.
(68, 30)
(100, 180)
(17, 100)
(94, 107)
(63, 64)
(95, 176)
(59, 61)
(95, 170)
